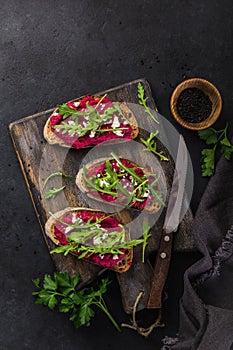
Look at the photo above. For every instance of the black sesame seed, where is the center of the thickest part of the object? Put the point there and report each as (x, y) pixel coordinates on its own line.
(193, 105)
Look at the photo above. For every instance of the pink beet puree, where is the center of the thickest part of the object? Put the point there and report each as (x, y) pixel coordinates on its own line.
(80, 142)
(107, 197)
(109, 223)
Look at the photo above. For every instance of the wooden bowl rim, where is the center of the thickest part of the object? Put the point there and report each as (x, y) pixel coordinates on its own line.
(216, 107)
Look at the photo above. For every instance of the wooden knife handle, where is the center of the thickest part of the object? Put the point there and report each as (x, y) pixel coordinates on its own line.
(160, 272)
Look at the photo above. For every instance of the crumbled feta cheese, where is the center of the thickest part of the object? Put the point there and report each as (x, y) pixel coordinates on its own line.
(118, 133)
(55, 114)
(98, 175)
(92, 134)
(68, 229)
(105, 236)
(101, 256)
(125, 122)
(76, 104)
(71, 122)
(115, 123)
(146, 194)
(97, 240)
(84, 124)
(74, 218)
(103, 182)
(115, 257)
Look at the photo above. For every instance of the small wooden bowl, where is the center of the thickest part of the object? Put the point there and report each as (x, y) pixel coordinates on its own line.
(210, 90)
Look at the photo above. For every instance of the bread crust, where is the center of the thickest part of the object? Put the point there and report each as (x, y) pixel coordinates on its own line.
(121, 266)
(152, 208)
(53, 139)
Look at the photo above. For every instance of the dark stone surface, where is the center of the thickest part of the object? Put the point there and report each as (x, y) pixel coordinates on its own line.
(52, 51)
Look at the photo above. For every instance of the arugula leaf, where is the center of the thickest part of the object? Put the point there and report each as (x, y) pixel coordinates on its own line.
(53, 192)
(109, 182)
(94, 119)
(79, 303)
(57, 174)
(218, 138)
(146, 236)
(65, 111)
(152, 146)
(143, 101)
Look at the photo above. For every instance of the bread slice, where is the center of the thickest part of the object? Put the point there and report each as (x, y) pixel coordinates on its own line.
(152, 207)
(121, 266)
(52, 138)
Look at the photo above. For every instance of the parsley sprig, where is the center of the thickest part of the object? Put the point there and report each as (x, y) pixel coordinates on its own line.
(61, 290)
(143, 101)
(93, 119)
(151, 145)
(217, 138)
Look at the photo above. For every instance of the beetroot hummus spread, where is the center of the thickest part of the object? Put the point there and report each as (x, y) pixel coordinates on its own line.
(98, 174)
(109, 224)
(117, 123)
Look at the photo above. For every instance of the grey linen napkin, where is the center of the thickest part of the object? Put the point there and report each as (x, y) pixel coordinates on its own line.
(206, 307)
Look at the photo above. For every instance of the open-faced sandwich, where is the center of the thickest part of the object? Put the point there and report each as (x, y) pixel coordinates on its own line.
(88, 121)
(122, 182)
(92, 235)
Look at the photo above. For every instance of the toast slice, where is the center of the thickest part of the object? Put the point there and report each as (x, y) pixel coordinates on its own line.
(127, 129)
(123, 261)
(95, 170)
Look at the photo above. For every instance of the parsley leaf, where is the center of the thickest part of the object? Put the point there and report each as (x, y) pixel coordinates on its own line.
(218, 138)
(61, 290)
(208, 160)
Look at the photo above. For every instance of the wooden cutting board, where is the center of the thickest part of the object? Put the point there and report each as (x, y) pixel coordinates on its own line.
(36, 157)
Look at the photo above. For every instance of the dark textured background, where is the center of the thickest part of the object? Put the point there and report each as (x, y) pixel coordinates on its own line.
(53, 51)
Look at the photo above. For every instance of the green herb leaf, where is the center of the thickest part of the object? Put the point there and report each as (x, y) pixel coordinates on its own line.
(218, 138)
(66, 305)
(208, 162)
(227, 151)
(209, 135)
(94, 119)
(53, 192)
(49, 283)
(65, 111)
(143, 101)
(146, 236)
(152, 146)
(59, 290)
(57, 174)
(36, 282)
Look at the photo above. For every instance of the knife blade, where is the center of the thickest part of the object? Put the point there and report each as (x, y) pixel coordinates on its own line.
(171, 223)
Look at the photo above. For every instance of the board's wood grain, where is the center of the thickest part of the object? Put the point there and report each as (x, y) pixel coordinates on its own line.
(38, 160)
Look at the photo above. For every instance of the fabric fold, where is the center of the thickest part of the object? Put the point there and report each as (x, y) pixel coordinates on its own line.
(206, 309)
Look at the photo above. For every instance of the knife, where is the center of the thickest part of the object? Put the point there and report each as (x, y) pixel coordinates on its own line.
(171, 223)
